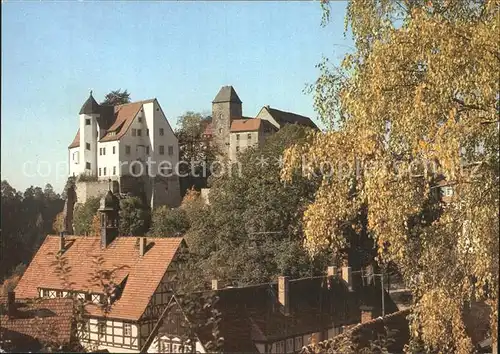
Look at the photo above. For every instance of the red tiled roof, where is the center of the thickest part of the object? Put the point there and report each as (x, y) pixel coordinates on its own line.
(48, 321)
(143, 274)
(245, 125)
(121, 118)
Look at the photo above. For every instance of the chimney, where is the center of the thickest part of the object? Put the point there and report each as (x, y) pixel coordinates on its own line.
(366, 313)
(347, 277)
(142, 246)
(11, 303)
(331, 271)
(283, 295)
(61, 242)
(215, 284)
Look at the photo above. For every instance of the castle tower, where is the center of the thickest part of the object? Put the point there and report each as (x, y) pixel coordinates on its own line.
(226, 106)
(89, 130)
(109, 215)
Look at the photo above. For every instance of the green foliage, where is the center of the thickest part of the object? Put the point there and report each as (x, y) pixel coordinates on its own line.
(252, 231)
(25, 218)
(116, 97)
(83, 177)
(168, 222)
(134, 216)
(83, 216)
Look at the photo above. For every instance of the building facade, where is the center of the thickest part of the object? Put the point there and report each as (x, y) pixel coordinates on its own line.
(123, 142)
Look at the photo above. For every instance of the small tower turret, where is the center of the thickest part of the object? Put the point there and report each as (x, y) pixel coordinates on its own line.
(109, 214)
(226, 106)
(89, 130)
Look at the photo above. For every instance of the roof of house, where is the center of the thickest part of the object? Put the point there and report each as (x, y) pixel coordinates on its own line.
(33, 324)
(90, 106)
(245, 125)
(114, 120)
(283, 117)
(253, 314)
(227, 94)
(138, 275)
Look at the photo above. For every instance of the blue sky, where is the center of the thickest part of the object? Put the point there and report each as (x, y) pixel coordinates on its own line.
(53, 53)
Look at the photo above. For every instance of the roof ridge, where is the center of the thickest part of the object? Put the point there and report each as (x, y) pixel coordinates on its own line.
(136, 102)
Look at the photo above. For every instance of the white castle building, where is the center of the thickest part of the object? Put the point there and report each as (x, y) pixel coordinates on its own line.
(116, 142)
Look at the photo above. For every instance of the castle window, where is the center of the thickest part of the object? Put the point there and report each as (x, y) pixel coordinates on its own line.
(104, 151)
(87, 146)
(99, 171)
(100, 151)
(87, 121)
(139, 132)
(104, 171)
(87, 165)
(162, 149)
(114, 150)
(127, 329)
(237, 136)
(139, 119)
(134, 132)
(147, 132)
(170, 150)
(147, 150)
(162, 132)
(249, 135)
(76, 157)
(127, 149)
(114, 170)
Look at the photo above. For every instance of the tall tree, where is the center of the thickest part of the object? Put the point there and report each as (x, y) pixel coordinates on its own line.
(419, 93)
(116, 97)
(84, 215)
(252, 231)
(134, 217)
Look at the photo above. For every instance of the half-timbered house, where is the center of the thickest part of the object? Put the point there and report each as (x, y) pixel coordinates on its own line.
(124, 283)
(279, 317)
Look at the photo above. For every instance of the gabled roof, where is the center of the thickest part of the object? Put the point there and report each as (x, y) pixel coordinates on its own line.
(252, 314)
(245, 125)
(227, 94)
(31, 324)
(283, 117)
(115, 120)
(140, 275)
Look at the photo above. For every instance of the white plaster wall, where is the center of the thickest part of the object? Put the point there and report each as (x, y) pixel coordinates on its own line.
(109, 160)
(136, 151)
(243, 143)
(75, 164)
(88, 134)
(168, 139)
(264, 114)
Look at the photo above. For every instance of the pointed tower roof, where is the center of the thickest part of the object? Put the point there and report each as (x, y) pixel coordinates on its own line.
(90, 106)
(227, 94)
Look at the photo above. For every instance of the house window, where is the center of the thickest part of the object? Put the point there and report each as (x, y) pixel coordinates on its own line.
(127, 149)
(164, 346)
(249, 136)
(134, 132)
(139, 132)
(87, 121)
(280, 346)
(162, 132)
(87, 146)
(114, 150)
(139, 119)
(99, 171)
(87, 165)
(101, 328)
(147, 150)
(298, 343)
(104, 171)
(237, 136)
(170, 150)
(127, 330)
(147, 132)
(162, 149)
(289, 345)
(114, 170)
